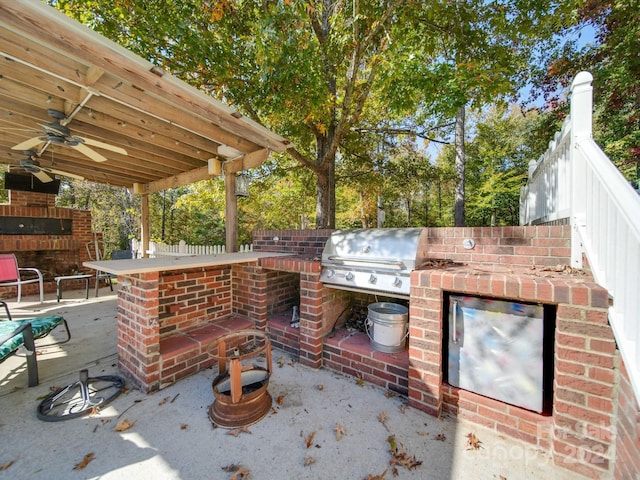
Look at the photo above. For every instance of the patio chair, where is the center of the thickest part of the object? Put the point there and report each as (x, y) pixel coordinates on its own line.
(95, 250)
(23, 333)
(10, 275)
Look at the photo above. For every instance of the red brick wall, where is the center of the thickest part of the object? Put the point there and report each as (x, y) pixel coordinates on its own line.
(579, 432)
(191, 297)
(627, 464)
(283, 291)
(54, 255)
(250, 293)
(500, 246)
(138, 331)
(303, 242)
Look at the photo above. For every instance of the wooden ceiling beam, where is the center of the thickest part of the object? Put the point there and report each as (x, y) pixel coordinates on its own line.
(65, 35)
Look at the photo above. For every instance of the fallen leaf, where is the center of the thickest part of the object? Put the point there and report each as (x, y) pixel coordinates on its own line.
(473, 442)
(231, 468)
(273, 411)
(240, 474)
(237, 431)
(377, 477)
(403, 408)
(183, 426)
(502, 477)
(308, 461)
(281, 362)
(441, 437)
(309, 440)
(360, 382)
(390, 394)
(382, 418)
(399, 455)
(6, 465)
(124, 425)
(320, 387)
(105, 420)
(85, 461)
(94, 411)
(280, 399)
(340, 432)
(163, 401)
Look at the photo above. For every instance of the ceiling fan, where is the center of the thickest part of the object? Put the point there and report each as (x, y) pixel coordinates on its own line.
(31, 164)
(57, 132)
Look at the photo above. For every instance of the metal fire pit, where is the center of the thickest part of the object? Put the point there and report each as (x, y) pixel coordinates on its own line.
(240, 390)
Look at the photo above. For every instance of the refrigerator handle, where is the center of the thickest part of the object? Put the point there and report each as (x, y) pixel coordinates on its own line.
(454, 335)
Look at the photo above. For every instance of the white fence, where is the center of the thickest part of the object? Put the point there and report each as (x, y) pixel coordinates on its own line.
(575, 179)
(161, 249)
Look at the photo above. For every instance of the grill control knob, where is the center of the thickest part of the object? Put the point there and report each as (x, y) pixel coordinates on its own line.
(397, 282)
(330, 273)
(349, 276)
(373, 278)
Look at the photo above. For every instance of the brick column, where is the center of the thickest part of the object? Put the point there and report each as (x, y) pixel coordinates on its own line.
(425, 344)
(311, 294)
(586, 365)
(249, 285)
(138, 330)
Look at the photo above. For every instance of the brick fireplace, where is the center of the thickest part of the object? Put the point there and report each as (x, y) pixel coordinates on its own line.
(55, 253)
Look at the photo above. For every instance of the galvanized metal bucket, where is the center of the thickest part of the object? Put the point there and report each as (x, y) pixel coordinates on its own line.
(388, 326)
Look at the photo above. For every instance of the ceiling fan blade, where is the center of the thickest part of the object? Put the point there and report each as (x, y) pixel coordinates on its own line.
(89, 152)
(66, 174)
(105, 146)
(42, 176)
(27, 144)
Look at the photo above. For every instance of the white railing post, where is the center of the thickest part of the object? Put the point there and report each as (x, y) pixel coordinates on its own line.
(581, 127)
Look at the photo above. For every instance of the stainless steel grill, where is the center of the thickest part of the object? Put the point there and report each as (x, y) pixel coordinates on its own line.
(377, 260)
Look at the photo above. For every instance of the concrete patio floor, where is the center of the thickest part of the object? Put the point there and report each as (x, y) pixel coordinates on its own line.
(172, 437)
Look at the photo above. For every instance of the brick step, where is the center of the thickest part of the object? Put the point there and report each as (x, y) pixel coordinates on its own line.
(282, 335)
(352, 354)
(185, 353)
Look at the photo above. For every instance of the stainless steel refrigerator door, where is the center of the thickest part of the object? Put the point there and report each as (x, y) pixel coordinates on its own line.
(495, 348)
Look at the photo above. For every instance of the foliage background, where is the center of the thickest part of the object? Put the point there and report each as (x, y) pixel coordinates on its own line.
(510, 64)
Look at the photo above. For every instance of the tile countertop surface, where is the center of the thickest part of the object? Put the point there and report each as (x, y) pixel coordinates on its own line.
(182, 262)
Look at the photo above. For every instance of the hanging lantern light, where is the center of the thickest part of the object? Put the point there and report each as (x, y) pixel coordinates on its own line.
(242, 185)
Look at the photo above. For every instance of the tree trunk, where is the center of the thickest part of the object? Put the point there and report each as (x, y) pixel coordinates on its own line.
(326, 182)
(460, 161)
(325, 201)
(363, 216)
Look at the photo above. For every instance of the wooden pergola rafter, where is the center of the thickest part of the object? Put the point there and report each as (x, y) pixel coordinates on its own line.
(173, 133)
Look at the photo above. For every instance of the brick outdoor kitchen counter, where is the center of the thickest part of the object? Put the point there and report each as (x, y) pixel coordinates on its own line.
(171, 309)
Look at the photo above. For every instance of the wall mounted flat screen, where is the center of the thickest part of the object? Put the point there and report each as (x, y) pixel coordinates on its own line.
(29, 183)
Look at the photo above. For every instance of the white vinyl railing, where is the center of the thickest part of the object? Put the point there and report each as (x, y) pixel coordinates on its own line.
(157, 249)
(604, 211)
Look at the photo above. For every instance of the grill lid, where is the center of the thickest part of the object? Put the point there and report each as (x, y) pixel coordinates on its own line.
(377, 260)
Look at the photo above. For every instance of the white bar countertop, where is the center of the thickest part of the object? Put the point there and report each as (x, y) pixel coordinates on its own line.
(166, 263)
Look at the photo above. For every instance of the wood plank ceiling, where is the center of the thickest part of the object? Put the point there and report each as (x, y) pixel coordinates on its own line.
(107, 94)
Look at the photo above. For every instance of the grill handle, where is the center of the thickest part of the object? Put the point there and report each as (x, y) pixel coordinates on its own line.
(338, 259)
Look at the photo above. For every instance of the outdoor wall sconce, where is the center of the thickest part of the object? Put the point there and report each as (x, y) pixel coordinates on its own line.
(242, 185)
(214, 166)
